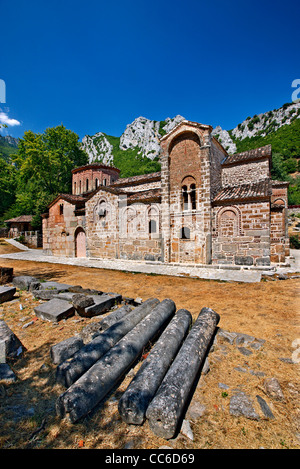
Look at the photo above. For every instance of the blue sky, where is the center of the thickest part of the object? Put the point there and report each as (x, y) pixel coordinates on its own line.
(96, 66)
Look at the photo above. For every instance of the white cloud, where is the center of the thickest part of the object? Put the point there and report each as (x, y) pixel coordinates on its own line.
(4, 119)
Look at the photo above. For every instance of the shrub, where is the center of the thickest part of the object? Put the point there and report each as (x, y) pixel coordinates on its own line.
(294, 242)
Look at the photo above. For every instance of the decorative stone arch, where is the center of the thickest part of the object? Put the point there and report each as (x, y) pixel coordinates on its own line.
(80, 242)
(102, 210)
(279, 203)
(229, 222)
(185, 131)
(128, 221)
(153, 219)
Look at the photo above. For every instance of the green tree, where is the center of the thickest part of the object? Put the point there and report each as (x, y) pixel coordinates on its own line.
(278, 170)
(44, 163)
(291, 165)
(294, 192)
(7, 186)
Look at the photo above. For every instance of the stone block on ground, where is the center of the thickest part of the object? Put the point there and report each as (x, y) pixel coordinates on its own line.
(55, 310)
(102, 303)
(24, 281)
(54, 286)
(81, 301)
(6, 373)
(68, 296)
(6, 275)
(65, 349)
(7, 293)
(84, 291)
(45, 294)
(13, 346)
(241, 405)
(50, 290)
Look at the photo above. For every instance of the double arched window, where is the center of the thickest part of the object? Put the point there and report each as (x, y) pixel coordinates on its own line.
(188, 194)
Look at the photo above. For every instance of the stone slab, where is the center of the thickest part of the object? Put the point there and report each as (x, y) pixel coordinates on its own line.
(55, 310)
(13, 346)
(102, 304)
(67, 296)
(6, 293)
(24, 281)
(65, 349)
(6, 373)
(60, 287)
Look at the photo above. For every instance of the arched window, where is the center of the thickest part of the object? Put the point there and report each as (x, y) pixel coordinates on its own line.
(228, 223)
(74, 187)
(185, 233)
(185, 199)
(152, 226)
(96, 183)
(79, 187)
(104, 182)
(87, 185)
(193, 196)
(188, 190)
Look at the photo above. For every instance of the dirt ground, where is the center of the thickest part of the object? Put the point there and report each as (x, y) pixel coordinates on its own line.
(268, 310)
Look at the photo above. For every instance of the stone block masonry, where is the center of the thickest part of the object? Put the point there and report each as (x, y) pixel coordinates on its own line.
(241, 234)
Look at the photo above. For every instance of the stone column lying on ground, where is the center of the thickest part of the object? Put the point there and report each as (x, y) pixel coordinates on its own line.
(114, 317)
(167, 406)
(135, 400)
(69, 371)
(65, 349)
(106, 373)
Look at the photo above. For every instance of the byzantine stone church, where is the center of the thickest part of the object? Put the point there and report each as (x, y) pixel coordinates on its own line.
(203, 207)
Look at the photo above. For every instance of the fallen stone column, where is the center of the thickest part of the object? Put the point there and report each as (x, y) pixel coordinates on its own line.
(103, 376)
(167, 406)
(69, 371)
(135, 400)
(114, 316)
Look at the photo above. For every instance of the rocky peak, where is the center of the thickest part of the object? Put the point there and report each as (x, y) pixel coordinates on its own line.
(259, 125)
(98, 148)
(145, 134)
(142, 133)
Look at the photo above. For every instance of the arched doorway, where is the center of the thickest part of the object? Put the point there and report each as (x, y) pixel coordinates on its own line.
(80, 243)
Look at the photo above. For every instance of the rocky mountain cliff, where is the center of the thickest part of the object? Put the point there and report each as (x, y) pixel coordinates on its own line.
(143, 134)
(8, 146)
(259, 125)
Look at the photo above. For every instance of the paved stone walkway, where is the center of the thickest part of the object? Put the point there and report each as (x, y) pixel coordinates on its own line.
(226, 273)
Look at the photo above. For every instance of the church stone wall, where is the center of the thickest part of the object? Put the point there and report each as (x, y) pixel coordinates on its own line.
(245, 173)
(59, 229)
(241, 234)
